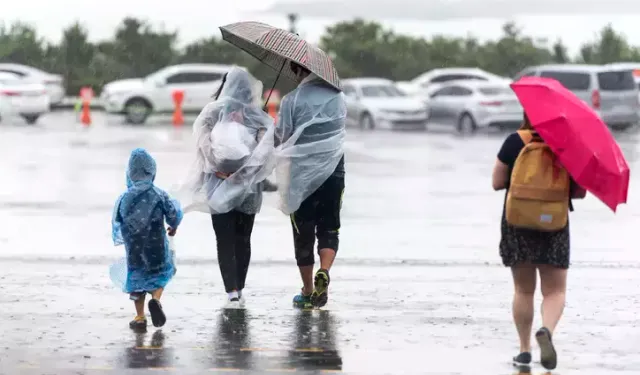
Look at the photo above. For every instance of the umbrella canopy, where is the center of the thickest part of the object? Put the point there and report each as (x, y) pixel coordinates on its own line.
(578, 136)
(274, 47)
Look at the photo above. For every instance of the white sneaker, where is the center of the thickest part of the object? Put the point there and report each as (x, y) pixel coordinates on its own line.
(233, 303)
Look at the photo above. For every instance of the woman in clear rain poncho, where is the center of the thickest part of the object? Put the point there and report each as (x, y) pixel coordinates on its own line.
(138, 222)
(310, 174)
(235, 154)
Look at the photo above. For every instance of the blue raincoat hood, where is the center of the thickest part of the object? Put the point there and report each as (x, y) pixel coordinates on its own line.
(141, 167)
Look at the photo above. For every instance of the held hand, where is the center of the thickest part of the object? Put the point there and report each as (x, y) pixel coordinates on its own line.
(172, 231)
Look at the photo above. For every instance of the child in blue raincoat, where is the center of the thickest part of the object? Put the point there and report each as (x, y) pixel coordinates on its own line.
(139, 223)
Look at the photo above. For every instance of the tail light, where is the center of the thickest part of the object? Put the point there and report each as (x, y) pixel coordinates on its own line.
(595, 99)
(9, 93)
(491, 104)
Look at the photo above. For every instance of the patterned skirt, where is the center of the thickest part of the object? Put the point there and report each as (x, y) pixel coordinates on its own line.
(531, 246)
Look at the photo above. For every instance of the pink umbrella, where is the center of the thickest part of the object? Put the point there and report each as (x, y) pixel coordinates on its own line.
(576, 134)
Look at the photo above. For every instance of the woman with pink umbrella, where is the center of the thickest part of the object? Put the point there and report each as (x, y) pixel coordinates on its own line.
(561, 149)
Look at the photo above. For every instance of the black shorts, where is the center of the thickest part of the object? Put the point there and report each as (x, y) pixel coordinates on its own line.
(318, 217)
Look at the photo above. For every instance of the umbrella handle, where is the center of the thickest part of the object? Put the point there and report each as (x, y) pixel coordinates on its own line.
(264, 108)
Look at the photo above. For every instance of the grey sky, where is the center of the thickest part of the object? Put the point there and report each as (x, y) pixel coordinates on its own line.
(200, 18)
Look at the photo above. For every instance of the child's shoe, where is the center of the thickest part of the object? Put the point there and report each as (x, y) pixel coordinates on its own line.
(138, 323)
(157, 314)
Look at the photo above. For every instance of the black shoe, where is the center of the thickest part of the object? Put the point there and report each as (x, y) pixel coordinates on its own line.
(157, 314)
(138, 324)
(320, 294)
(522, 361)
(548, 355)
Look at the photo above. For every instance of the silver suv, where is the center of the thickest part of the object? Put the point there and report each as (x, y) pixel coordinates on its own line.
(610, 91)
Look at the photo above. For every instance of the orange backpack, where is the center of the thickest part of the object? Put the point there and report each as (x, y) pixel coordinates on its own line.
(538, 196)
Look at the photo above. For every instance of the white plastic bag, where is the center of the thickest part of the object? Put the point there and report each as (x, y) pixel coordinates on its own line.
(231, 144)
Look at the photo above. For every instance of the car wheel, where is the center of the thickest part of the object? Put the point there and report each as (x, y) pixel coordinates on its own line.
(366, 122)
(31, 119)
(466, 124)
(136, 111)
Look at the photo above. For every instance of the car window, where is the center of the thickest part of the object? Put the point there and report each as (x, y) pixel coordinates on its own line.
(348, 90)
(381, 91)
(570, 80)
(210, 76)
(616, 81)
(495, 90)
(455, 77)
(460, 91)
(445, 91)
(185, 77)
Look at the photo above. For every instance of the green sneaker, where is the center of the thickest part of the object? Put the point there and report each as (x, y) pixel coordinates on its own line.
(320, 294)
(302, 302)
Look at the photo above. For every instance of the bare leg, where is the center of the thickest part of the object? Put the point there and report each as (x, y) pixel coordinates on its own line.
(553, 282)
(139, 303)
(524, 280)
(306, 274)
(327, 256)
(156, 294)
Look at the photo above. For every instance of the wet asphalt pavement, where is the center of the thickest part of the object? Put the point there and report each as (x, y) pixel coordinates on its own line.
(417, 288)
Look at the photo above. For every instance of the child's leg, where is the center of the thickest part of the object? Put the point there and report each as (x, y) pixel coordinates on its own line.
(156, 294)
(139, 322)
(139, 303)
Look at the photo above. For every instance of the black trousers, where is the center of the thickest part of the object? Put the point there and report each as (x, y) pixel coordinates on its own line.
(318, 216)
(233, 239)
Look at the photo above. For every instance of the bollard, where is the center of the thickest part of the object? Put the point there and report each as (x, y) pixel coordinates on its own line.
(272, 102)
(178, 98)
(86, 95)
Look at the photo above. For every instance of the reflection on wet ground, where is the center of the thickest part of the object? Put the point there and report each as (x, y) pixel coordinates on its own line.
(417, 287)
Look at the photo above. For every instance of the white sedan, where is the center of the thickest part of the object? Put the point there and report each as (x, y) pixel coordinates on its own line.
(54, 83)
(22, 97)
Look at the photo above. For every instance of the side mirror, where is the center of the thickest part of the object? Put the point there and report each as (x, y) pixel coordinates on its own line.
(160, 83)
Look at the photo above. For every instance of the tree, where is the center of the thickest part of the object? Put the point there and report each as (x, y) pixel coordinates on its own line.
(360, 48)
(560, 54)
(141, 49)
(20, 44)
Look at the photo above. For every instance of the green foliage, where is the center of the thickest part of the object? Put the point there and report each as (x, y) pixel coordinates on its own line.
(359, 48)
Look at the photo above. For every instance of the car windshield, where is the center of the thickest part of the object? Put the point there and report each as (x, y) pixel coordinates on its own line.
(495, 90)
(381, 91)
(616, 81)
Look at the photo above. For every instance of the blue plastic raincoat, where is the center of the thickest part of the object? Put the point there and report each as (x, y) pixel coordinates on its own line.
(139, 223)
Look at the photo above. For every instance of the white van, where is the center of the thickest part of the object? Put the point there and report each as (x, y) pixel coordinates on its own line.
(611, 91)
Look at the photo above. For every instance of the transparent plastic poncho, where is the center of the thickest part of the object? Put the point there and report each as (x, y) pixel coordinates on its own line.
(234, 141)
(311, 135)
(138, 223)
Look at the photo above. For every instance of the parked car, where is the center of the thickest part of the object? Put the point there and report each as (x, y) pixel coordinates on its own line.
(22, 97)
(378, 103)
(469, 105)
(635, 70)
(611, 91)
(140, 97)
(426, 83)
(54, 83)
